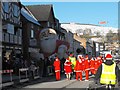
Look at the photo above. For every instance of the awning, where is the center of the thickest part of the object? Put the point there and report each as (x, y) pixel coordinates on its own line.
(28, 16)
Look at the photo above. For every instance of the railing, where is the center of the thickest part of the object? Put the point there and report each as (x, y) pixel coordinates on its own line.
(8, 76)
(36, 73)
(25, 78)
(11, 38)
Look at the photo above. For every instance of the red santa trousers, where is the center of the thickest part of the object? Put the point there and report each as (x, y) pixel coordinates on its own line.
(79, 74)
(57, 75)
(87, 74)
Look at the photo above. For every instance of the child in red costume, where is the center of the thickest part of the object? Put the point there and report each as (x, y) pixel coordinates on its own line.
(78, 68)
(57, 68)
(87, 68)
(68, 68)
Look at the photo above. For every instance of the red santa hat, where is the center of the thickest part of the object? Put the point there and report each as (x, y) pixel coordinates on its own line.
(92, 58)
(86, 57)
(108, 57)
(67, 59)
(98, 58)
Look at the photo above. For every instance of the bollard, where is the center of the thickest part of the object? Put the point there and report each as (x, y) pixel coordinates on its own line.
(26, 75)
(36, 73)
(49, 69)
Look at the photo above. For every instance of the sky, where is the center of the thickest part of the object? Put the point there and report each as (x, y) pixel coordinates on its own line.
(84, 12)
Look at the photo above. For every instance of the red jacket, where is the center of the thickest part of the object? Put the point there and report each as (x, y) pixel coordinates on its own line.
(87, 66)
(96, 64)
(83, 64)
(68, 67)
(57, 65)
(92, 64)
(78, 67)
(99, 62)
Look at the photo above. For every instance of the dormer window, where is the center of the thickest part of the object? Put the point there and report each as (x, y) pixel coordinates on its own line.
(16, 10)
(6, 7)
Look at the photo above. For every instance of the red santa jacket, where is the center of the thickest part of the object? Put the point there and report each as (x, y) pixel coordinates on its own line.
(83, 64)
(68, 67)
(56, 65)
(87, 66)
(99, 61)
(92, 64)
(96, 64)
(78, 67)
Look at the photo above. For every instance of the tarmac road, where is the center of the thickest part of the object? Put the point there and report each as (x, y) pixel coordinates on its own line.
(51, 83)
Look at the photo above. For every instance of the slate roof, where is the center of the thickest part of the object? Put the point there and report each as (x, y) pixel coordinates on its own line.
(29, 16)
(41, 12)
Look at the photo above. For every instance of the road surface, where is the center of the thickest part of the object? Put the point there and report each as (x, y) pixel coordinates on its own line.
(51, 83)
(63, 83)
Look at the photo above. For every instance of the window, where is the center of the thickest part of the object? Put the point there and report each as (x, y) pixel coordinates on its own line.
(32, 34)
(6, 7)
(10, 28)
(16, 10)
(18, 32)
(48, 24)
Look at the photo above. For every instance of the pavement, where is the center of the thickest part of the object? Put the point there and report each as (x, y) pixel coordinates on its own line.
(51, 83)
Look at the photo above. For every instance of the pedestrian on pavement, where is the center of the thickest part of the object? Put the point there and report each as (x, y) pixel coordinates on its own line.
(87, 68)
(68, 68)
(73, 61)
(108, 73)
(78, 68)
(56, 65)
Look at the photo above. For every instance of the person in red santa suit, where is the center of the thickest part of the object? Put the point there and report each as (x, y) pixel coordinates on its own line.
(68, 68)
(78, 68)
(92, 65)
(99, 61)
(87, 68)
(96, 65)
(56, 65)
(83, 64)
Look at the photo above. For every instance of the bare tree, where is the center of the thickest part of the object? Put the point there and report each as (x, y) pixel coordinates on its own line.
(109, 36)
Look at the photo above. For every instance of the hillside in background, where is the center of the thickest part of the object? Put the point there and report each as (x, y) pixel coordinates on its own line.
(90, 29)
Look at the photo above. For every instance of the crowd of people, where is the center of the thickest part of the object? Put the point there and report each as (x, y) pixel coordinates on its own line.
(78, 65)
(100, 67)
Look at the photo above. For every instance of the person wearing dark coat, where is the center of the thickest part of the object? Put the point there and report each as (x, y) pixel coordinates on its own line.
(108, 73)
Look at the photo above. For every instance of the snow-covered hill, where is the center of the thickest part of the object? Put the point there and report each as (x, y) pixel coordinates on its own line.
(79, 28)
